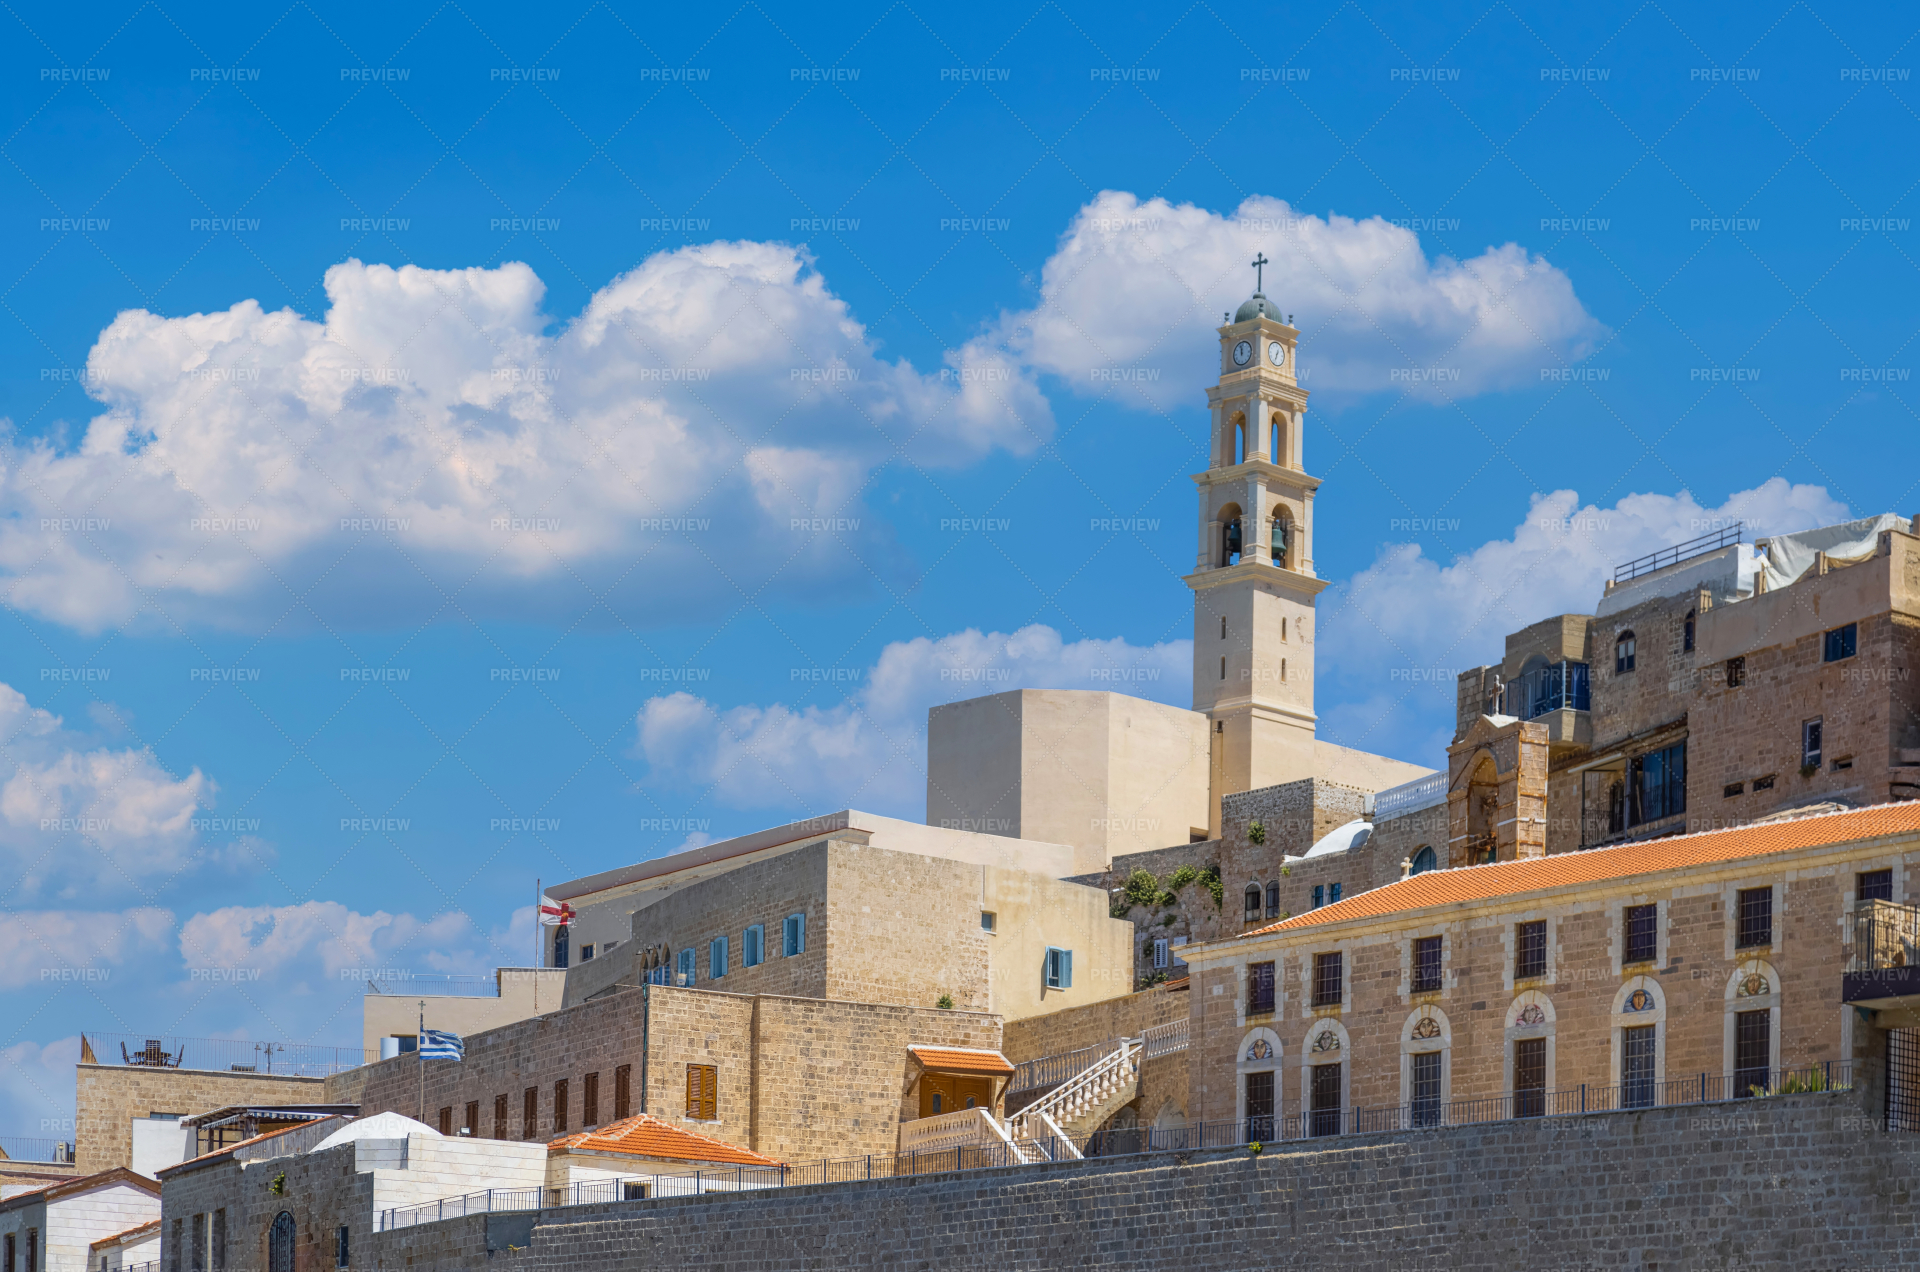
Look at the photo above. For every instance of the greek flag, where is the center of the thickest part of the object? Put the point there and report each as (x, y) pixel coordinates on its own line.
(438, 1044)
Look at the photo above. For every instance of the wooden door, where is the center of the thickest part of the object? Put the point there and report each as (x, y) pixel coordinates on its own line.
(948, 1092)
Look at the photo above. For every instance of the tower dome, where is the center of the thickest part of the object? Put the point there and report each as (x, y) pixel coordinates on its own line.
(1256, 307)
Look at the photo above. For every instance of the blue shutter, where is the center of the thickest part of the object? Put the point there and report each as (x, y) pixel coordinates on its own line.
(1066, 964)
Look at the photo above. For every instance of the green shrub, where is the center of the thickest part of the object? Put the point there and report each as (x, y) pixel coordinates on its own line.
(1142, 888)
(1256, 832)
(1211, 878)
(944, 1002)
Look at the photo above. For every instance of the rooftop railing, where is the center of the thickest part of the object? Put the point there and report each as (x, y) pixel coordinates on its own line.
(1711, 542)
(1886, 936)
(1698, 1089)
(235, 1055)
(1422, 792)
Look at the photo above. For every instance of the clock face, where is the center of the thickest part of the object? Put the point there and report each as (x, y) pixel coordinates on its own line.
(1241, 352)
(1277, 354)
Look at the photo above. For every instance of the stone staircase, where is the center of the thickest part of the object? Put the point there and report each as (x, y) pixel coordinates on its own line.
(1057, 1123)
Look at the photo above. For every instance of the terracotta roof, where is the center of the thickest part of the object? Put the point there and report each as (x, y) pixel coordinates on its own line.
(1598, 865)
(646, 1136)
(151, 1228)
(85, 1183)
(962, 1060)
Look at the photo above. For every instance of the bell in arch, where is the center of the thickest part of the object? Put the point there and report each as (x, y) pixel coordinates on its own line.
(1279, 541)
(1233, 540)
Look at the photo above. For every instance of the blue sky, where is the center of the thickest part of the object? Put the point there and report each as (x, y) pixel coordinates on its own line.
(451, 446)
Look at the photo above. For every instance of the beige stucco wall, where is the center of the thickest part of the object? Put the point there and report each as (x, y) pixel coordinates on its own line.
(1105, 772)
(1031, 913)
(523, 992)
(1361, 770)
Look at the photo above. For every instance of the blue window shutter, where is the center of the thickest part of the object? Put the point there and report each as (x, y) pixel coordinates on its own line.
(1066, 962)
(800, 933)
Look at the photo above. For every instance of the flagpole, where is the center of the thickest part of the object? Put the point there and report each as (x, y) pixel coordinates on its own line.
(539, 942)
(420, 1058)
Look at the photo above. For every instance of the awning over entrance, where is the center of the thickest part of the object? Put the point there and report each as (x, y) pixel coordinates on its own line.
(968, 1060)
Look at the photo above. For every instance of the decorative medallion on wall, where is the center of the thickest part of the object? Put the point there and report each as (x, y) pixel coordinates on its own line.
(1754, 986)
(1328, 1041)
(1531, 1015)
(1260, 1050)
(1639, 1000)
(1427, 1028)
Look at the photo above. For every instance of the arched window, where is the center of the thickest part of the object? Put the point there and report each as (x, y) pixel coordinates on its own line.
(1273, 450)
(1623, 653)
(1686, 634)
(1253, 902)
(280, 1243)
(1273, 898)
(1424, 860)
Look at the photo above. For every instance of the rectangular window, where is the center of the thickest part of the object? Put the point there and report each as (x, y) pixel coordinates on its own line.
(623, 1092)
(340, 1249)
(1333, 893)
(1319, 895)
(1259, 988)
(1426, 965)
(1642, 933)
(1530, 950)
(1260, 1107)
(1763, 783)
(794, 935)
(1752, 1053)
(1529, 1077)
(1736, 672)
(472, 1126)
(986, 920)
(1756, 917)
(590, 1101)
(631, 1191)
(1160, 953)
(1425, 1087)
(500, 1116)
(220, 1240)
(1326, 979)
(716, 958)
(1059, 968)
(1324, 1117)
(686, 966)
(1873, 885)
(1657, 785)
(530, 1113)
(560, 1107)
(1841, 642)
(446, 1120)
(753, 946)
(198, 1246)
(1811, 738)
(703, 1092)
(12, 1254)
(586, 953)
(1636, 1067)
(1731, 789)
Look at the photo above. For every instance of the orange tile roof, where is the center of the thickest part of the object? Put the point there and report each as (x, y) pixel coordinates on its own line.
(644, 1135)
(1598, 865)
(962, 1060)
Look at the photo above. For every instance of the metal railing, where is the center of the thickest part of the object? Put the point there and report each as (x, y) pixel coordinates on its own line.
(1705, 1088)
(22, 1148)
(1679, 552)
(1535, 693)
(297, 1059)
(1885, 936)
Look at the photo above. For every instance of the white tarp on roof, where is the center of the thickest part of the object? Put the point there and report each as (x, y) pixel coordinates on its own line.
(1791, 555)
(1351, 835)
(379, 1126)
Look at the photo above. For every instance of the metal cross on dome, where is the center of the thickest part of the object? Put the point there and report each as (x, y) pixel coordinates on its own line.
(1259, 261)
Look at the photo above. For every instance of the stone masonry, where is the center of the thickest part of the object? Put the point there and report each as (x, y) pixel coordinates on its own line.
(109, 1096)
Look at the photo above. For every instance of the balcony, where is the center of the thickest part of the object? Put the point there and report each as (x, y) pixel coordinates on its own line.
(1559, 687)
(1883, 965)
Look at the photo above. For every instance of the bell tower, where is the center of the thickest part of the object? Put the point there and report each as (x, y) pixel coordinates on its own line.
(1253, 582)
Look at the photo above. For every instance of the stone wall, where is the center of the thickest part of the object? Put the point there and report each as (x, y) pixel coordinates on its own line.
(796, 1078)
(1793, 1182)
(1063, 1031)
(107, 1097)
(1698, 981)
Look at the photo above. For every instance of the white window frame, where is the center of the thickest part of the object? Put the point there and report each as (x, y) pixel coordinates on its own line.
(1057, 971)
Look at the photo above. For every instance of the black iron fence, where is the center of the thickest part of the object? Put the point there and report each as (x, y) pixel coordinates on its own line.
(1710, 542)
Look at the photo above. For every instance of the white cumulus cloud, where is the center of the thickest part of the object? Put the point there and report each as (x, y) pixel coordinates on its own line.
(76, 815)
(78, 948)
(326, 941)
(716, 396)
(869, 750)
(1139, 285)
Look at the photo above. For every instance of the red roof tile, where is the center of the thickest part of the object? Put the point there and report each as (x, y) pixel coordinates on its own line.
(646, 1136)
(135, 1234)
(963, 1060)
(1597, 865)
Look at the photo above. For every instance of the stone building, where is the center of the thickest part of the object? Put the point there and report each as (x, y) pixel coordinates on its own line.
(1623, 973)
(1714, 684)
(53, 1229)
(840, 918)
